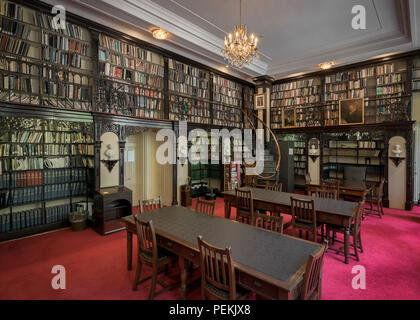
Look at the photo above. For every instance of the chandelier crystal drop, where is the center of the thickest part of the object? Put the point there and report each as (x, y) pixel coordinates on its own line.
(240, 48)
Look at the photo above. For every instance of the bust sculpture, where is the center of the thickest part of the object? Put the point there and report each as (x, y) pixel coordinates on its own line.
(109, 152)
(397, 151)
(313, 150)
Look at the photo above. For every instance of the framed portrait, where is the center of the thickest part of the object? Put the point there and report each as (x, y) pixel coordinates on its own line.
(351, 111)
(289, 118)
(259, 102)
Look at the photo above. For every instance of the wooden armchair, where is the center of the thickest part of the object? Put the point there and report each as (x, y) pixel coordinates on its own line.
(244, 206)
(218, 280)
(312, 281)
(324, 193)
(205, 206)
(355, 232)
(377, 200)
(304, 217)
(270, 223)
(274, 187)
(150, 204)
(150, 255)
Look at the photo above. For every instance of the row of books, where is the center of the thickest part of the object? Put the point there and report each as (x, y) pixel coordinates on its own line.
(131, 63)
(26, 195)
(14, 45)
(17, 83)
(350, 75)
(308, 83)
(296, 93)
(388, 79)
(57, 191)
(219, 81)
(46, 22)
(14, 28)
(226, 99)
(227, 91)
(26, 137)
(360, 93)
(64, 43)
(394, 89)
(26, 164)
(61, 75)
(106, 86)
(185, 69)
(11, 10)
(12, 65)
(69, 59)
(295, 101)
(82, 162)
(128, 49)
(57, 137)
(20, 179)
(70, 91)
(128, 101)
(66, 175)
(152, 78)
(4, 150)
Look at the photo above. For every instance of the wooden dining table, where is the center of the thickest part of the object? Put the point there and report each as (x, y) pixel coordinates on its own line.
(270, 264)
(329, 211)
(349, 188)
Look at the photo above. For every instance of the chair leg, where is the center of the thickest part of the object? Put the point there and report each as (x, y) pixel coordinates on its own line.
(166, 269)
(360, 242)
(382, 209)
(356, 252)
(137, 276)
(153, 284)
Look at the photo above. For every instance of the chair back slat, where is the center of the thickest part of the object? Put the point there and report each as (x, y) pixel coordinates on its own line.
(303, 211)
(324, 193)
(146, 237)
(205, 206)
(274, 187)
(150, 204)
(270, 223)
(217, 267)
(313, 274)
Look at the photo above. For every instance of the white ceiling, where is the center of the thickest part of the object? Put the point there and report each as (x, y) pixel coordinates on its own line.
(297, 34)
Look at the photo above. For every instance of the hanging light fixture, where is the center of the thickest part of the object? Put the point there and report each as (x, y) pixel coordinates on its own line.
(240, 48)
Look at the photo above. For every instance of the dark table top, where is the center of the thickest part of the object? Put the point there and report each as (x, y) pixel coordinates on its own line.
(353, 185)
(275, 255)
(338, 207)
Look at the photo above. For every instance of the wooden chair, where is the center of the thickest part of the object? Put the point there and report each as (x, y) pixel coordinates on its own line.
(249, 181)
(244, 206)
(304, 217)
(218, 280)
(377, 200)
(205, 206)
(274, 187)
(330, 185)
(355, 232)
(150, 204)
(324, 193)
(270, 223)
(150, 255)
(312, 281)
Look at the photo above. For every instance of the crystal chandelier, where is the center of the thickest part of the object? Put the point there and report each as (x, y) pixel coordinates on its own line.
(240, 48)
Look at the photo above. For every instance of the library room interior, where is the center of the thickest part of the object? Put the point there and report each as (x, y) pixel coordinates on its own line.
(209, 150)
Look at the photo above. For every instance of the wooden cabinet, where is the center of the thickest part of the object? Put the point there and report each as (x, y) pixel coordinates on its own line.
(186, 195)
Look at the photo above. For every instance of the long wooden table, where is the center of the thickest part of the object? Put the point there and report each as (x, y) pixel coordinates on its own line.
(350, 188)
(270, 264)
(329, 211)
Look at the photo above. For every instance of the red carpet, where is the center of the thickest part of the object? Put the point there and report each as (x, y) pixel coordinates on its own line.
(96, 265)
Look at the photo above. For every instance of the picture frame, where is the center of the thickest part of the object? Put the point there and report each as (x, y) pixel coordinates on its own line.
(259, 102)
(351, 111)
(289, 118)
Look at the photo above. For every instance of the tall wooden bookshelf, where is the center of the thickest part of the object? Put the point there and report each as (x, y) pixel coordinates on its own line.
(131, 79)
(363, 149)
(303, 95)
(189, 93)
(46, 169)
(40, 65)
(227, 102)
